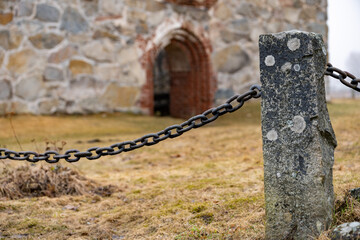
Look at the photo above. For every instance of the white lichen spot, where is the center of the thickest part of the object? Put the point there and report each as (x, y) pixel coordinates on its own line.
(293, 44)
(297, 67)
(354, 224)
(278, 175)
(299, 124)
(319, 226)
(345, 230)
(279, 35)
(286, 67)
(270, 60)
(324, 50)
(294, 175)
(272, 135)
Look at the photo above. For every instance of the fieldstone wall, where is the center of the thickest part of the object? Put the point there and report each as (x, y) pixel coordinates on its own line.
(87, 56)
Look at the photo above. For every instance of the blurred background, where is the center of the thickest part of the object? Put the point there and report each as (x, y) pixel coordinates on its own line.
(344, 42)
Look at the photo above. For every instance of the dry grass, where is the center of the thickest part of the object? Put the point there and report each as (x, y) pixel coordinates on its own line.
(207, 184)
(51, 181)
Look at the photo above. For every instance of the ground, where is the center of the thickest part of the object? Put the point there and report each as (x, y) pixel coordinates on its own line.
(206, 184)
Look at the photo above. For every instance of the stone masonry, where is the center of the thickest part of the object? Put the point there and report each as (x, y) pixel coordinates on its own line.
(89, 56)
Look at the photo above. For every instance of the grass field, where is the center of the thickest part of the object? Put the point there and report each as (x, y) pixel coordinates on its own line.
(206, 184)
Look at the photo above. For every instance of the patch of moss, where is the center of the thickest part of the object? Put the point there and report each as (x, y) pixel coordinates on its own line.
(140, 181)
(240, 202)
(172, 208)
(198, 208)
(210, 165)
(31, 225)
(204, 183)
(196, 232)
(207, 217)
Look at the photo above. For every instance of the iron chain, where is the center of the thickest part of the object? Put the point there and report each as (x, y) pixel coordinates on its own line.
(232, 104)
(342, 75)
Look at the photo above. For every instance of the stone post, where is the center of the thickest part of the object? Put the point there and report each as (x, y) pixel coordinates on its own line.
(298, 139)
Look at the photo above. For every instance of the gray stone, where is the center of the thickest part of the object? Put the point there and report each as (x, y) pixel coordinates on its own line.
(86, 82)
(91, 105)
(85, 89)
(298, 139)
(199, 14)
(25, 8)
(129, 74)
(31, 27)
(180, 9)
(73, 22)
(141, 28)
(48, 106)
(230, 59)
(321, 16)
(102, 50)
(63, 54)
(229, 36)
(30, 88)
(355, 193)
(90, 7)
(112, 7)
(241, 25)
(247, 10)
(45, 40)
(311, 2)
(347, 231)
(264, 13)
(5, 89)
(47, 13)
(10, 39)
(53, 74)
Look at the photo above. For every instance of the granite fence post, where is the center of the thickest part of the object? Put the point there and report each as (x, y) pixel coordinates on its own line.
(298, 139)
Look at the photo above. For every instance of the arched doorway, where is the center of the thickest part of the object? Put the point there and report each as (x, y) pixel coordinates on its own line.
(181, 80)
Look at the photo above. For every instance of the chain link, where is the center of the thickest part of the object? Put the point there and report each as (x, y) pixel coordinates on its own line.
(231, 105)
(342, 75)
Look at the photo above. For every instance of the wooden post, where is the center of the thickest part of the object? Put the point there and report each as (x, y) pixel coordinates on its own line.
(298, 139)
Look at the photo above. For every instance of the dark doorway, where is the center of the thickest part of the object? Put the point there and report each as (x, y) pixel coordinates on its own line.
(161, 85)
(172, 79)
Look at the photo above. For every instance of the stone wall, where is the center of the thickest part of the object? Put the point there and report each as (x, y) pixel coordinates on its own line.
(86, 56)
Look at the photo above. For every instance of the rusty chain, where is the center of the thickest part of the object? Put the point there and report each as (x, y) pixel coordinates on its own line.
(73, 155)
(342, 75)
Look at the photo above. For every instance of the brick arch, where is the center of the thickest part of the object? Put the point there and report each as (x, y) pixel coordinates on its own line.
(192, 83)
